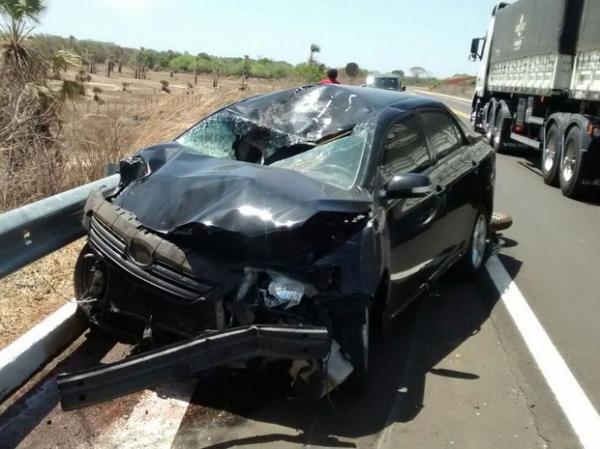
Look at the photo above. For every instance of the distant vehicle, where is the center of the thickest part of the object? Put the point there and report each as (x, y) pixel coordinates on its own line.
(285, 226)
(539, 85)
(388, 81)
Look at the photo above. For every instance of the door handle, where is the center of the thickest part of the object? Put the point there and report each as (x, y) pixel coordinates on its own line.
(430, 213)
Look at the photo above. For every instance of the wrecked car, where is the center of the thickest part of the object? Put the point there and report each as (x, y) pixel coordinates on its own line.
(288, 226)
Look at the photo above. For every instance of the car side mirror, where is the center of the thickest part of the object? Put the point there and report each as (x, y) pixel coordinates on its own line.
(403, 88)
(409, 185)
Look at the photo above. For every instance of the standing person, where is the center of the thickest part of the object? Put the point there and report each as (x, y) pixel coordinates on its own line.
(332, 75)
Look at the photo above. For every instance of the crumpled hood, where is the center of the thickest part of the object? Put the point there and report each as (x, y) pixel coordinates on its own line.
(182, 189)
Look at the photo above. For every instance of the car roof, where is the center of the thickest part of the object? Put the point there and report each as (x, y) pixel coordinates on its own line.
(386, 75)
(379, 98)
(300, 112)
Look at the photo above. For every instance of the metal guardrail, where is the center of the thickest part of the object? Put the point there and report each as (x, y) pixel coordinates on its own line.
(38, 229)
(26, 235)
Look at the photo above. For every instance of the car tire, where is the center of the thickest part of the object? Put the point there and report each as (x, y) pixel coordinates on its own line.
(500, 222)
(551, 156)
(473, 261)
(501, 131)
(82, 279)
(571, 164)
(355, 336)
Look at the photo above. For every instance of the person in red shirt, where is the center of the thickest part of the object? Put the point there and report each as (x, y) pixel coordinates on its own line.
(332, 75)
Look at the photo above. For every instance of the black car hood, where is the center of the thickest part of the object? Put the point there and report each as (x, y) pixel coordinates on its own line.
(181, 190)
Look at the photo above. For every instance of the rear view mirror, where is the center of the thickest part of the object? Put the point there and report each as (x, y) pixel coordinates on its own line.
(403, 88)
(408, 185)
(474, 55)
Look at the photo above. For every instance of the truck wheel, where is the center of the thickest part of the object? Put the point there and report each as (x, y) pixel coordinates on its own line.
(355, 344)
(472, 262)
(502, 131)
(571, 164)
(490, 121)
(551, 156)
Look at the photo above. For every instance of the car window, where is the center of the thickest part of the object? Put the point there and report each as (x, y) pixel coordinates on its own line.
(405, 149)
(443, 133)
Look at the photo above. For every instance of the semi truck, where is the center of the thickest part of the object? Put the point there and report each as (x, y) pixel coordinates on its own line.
(538, 86)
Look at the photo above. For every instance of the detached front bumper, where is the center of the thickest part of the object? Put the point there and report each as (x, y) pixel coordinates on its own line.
(210, 350)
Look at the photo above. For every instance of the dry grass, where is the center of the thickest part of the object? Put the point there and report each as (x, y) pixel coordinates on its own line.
(91, 141)
(29, 295)
(459, 87)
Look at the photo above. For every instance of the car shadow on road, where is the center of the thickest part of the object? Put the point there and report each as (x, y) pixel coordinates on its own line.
(401, 361)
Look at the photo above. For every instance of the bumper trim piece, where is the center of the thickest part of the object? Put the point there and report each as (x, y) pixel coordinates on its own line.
(209, 350)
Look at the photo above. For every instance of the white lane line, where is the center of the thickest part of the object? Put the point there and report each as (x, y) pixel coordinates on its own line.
(154, 421)
(461, 113)
(573, 401)
(452, 97)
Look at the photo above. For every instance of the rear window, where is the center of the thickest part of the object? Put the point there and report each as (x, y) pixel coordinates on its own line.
(443, 133)
(387, 83)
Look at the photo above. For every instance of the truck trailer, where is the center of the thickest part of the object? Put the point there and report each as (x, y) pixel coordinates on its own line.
(538, 86)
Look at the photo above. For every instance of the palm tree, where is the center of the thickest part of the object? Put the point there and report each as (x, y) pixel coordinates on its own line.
(16, 17)
(62, 60)
(314, 48)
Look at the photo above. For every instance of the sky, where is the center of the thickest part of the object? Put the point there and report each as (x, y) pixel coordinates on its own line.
(381, 35)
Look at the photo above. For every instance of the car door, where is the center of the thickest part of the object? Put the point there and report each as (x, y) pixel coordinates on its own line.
(410, 222)
(454, 172)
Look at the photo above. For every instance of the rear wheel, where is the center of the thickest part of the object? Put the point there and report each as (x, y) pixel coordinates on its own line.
(472, 262)
(571, 164)
(551, 156)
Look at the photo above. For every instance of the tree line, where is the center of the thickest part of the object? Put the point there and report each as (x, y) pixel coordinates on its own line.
(115, 57)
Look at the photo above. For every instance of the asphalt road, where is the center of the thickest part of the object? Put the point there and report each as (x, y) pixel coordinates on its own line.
(454, 371)
(552, 255)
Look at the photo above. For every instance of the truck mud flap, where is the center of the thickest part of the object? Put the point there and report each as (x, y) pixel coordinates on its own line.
(180, 360)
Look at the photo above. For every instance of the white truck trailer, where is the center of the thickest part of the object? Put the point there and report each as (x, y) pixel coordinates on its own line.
(539, 85)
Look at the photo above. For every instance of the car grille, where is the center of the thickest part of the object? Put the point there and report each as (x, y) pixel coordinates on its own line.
(158, 275)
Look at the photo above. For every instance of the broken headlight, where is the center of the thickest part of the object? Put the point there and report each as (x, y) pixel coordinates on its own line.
(283, 290)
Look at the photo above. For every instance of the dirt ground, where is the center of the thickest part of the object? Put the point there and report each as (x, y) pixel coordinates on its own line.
(461, 87)
(140, 90)
(28, 296)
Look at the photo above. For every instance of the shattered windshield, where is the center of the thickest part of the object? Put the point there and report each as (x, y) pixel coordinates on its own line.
(336, 163)
(308, 130)
(228, 136)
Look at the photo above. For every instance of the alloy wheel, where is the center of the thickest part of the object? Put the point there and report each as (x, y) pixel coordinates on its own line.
(479, 241)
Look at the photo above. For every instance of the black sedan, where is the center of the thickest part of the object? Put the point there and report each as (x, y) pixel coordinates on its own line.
(285, 226)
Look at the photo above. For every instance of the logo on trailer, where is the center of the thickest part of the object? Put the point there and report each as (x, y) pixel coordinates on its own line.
(520, 32)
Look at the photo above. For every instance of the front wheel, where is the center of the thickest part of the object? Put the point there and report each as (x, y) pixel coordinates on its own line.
(472, 262)
(490, 121)
(502, 131)
(356, 345)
